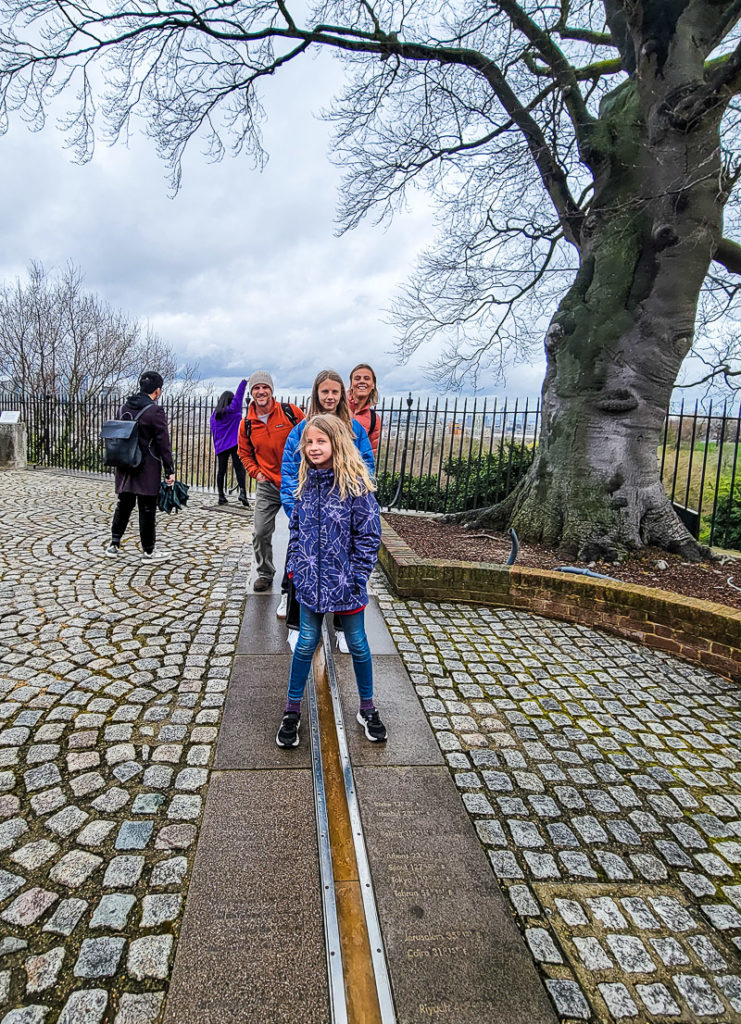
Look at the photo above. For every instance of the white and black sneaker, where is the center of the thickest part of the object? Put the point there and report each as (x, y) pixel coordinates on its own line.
(158, 555)
(374, 728)
(113, 550)
(288, 732)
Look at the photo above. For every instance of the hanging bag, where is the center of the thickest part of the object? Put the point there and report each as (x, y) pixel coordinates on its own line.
(121, 439)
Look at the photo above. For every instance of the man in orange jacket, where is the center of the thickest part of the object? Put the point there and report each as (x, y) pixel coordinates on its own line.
(262, 437)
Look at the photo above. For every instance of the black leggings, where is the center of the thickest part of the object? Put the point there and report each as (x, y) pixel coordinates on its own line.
(147, 512)
(222, 459)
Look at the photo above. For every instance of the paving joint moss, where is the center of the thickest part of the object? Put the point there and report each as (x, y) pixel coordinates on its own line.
(112, 682)
(604, 780)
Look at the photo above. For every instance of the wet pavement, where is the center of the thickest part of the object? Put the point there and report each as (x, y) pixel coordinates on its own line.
(603, 779)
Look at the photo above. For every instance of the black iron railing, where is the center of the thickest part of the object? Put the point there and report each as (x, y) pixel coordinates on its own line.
(436, 455)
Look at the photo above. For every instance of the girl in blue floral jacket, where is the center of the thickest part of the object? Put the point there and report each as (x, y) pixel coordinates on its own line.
(335, 533)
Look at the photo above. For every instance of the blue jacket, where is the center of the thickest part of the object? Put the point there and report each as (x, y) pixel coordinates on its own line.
(225, 428)
(292, 460)
(332, 545)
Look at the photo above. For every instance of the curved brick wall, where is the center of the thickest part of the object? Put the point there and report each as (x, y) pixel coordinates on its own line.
(700, 631)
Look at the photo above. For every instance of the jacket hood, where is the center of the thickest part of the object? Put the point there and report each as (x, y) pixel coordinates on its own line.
(139, 400)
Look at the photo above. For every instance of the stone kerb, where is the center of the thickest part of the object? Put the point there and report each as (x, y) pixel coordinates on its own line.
(12, 445)
(702, 632)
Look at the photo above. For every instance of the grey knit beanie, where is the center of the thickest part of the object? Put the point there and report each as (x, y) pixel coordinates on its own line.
(261, 377)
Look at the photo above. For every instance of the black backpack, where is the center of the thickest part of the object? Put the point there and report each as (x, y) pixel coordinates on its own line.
(121, 439)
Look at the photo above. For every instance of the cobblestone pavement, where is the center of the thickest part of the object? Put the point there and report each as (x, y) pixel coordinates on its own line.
(604, 780)
(112, 679)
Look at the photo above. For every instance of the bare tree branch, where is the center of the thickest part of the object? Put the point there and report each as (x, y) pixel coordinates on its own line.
(728, 254)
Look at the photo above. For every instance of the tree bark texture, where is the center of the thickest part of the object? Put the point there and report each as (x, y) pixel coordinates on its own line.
(615, 346)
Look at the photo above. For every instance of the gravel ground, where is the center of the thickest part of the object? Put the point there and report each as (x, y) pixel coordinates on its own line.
(431, 538)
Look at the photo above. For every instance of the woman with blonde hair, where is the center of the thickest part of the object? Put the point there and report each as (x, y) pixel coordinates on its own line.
(334, 536)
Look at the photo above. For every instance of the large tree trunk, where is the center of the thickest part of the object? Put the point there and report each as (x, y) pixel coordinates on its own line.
(617, 341)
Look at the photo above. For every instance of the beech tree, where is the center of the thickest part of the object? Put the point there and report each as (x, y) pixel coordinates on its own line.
(595, 139)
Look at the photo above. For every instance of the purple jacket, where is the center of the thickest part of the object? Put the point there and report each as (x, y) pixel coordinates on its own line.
(333, 545)
(226, 427)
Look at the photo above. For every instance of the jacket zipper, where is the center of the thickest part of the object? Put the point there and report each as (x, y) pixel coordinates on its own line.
(318, 542)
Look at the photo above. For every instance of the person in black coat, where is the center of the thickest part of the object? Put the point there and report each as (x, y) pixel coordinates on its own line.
(141, 486)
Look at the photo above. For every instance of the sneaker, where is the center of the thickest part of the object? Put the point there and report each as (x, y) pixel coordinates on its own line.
(342, 642)
(282, 607)
(288, 732)
(112, 551)
(375, 730)
(292, 638)
(158, 555)
(263, 583)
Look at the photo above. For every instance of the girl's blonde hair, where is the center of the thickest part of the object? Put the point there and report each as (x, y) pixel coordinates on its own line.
(351, 474)
(373, 396)
(342, 410)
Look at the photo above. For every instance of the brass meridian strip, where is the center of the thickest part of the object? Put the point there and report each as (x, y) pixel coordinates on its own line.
(349, 825)
(332, 939)
(360, 985)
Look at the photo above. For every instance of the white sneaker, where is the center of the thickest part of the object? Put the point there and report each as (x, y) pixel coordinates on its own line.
(342, 643)
(282, 607)
(112, 551)
(292, 638)
(158, 555)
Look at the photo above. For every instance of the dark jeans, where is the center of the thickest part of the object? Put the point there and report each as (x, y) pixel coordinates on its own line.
(147, 512)
(222, 460)
(308, 638)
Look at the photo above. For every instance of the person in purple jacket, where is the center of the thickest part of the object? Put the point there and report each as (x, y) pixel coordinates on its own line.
(334, 537)
(225, 421)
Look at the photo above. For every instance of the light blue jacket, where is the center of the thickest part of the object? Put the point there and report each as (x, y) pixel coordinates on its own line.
(292, 460)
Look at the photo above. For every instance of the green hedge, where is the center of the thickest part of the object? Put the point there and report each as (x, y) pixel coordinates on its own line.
(466, 483)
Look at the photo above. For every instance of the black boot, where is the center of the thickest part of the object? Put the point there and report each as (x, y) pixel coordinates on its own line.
(243, 496)
(222, 498)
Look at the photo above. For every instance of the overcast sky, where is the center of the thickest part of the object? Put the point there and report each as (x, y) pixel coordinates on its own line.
(242, 269)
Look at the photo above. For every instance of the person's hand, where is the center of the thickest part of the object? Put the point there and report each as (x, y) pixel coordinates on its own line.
(261, 478)
(170, 480)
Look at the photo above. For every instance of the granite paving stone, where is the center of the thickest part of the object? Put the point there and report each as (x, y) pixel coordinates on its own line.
(610, 802)
(98, 670)
(621, 767)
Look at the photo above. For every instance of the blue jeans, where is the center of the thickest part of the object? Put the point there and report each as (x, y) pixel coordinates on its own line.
(308, 638)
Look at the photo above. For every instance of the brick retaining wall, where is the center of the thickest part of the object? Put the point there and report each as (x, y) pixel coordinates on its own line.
(703, 632)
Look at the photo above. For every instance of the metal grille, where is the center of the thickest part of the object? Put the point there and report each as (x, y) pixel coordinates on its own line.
(436, 455)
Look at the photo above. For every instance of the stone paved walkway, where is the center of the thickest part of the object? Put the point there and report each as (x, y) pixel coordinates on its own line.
(603, 779)
(112, 679)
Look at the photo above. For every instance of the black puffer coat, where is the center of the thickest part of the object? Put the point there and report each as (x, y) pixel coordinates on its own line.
(154, 441)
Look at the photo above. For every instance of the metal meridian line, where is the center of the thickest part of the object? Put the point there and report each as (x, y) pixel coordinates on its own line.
(378, 957)
(335, 973)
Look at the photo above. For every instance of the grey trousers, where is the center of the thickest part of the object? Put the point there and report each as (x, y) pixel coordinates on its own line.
(267, 506)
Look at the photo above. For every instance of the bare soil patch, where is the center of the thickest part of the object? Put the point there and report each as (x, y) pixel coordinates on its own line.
(708, 581)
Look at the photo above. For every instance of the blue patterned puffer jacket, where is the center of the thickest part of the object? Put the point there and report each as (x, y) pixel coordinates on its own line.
(333, 545)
